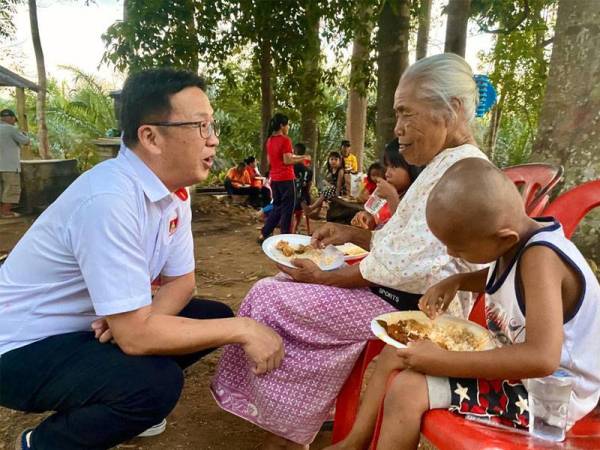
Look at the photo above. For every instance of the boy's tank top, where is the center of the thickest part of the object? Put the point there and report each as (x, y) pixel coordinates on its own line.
(505, 317)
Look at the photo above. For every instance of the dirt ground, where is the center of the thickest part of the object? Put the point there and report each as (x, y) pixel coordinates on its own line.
(228, 262)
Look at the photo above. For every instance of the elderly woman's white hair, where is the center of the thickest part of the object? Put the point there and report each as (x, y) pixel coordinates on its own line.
(440, 78)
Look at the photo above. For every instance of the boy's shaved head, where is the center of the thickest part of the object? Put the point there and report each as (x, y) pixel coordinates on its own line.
(473, 199)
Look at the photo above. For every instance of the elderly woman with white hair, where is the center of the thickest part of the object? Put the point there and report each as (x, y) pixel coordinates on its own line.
(324, 317)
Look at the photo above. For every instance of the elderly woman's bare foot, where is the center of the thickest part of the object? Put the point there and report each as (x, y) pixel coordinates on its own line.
(274, 442)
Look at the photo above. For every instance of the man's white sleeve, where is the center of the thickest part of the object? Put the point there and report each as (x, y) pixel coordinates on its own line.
(105, 235)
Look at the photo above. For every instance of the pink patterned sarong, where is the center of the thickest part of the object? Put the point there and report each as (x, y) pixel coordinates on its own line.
(324, 329)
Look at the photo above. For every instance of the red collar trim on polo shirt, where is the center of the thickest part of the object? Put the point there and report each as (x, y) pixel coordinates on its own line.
(182, 194)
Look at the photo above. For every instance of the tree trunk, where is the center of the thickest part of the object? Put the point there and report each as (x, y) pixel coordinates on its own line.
(492, 133)
(22, 118)
(192, 31)
(41, 70)
(423, 32)
(356, 114)
(392, 60)
(569, 127)
(266, 89)
(456, 26)
(310, 75)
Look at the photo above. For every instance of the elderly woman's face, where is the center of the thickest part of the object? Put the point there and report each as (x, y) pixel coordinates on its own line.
(422, 133)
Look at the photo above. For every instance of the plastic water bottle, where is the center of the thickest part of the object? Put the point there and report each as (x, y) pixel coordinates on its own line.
(374, 203)
(549, 404)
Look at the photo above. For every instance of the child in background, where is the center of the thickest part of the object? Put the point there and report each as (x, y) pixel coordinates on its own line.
(399, 175)
(375, 171)
(543, 308)
(304, 175)
(335, 187)
(264, 212)
(350, 162)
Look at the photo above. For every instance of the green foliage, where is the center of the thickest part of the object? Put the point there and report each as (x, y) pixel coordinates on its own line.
(8, 9)
(237, 109)
(515, 140)
(520, 61)
(156, 33)
(77, 112)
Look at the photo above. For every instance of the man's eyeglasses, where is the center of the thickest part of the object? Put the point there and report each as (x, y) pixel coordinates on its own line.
(206, 128)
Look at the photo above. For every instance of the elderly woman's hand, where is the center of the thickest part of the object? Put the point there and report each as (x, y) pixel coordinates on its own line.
(331, 234)
(306, 272)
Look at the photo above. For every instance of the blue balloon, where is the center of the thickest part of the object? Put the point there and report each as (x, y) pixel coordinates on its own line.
(487, 95)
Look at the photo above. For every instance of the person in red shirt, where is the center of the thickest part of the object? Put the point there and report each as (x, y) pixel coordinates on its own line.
(281, 160)
(375, 171)
(257, 180)
(238, 182)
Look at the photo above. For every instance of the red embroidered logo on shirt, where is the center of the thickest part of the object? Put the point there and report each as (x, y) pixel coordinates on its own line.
(182, 194)
(173, 225)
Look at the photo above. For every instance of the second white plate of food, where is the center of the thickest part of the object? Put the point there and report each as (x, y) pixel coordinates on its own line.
(452, 333)
(283, 248)
(352, 251)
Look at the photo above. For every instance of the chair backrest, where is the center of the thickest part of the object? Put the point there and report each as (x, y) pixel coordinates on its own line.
(535, 181)
(572, 206)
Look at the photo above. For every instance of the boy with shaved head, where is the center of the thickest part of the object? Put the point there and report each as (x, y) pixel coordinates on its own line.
(543, 308)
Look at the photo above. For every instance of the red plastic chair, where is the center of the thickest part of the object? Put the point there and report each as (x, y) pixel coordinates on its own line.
(569, 208)
(348, 399)
(535, 181)
(572, 206)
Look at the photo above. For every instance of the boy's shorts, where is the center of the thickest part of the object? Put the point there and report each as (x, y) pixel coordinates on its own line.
(500, 401)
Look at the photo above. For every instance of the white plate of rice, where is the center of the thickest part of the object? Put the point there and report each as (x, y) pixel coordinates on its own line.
(447, 331)
(329, 258)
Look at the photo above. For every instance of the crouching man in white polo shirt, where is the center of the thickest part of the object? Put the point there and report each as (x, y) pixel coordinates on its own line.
(80, 277)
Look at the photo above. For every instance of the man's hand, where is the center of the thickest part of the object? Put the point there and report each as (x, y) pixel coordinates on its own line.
(330, 234)
(437, 298)
(102, 331)
(420, 356)
(363, 219)
(306, 272)
(263, 347)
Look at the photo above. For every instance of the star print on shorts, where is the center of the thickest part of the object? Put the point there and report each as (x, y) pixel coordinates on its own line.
(502, 401)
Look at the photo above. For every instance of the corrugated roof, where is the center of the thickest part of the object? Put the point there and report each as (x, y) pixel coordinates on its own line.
(9, 78)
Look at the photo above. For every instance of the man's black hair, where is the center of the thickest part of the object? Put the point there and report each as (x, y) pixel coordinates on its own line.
(146, 97)
(250, 159)
(345, 143)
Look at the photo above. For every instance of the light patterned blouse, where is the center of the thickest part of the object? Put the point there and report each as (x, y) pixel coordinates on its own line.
(405, 255)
